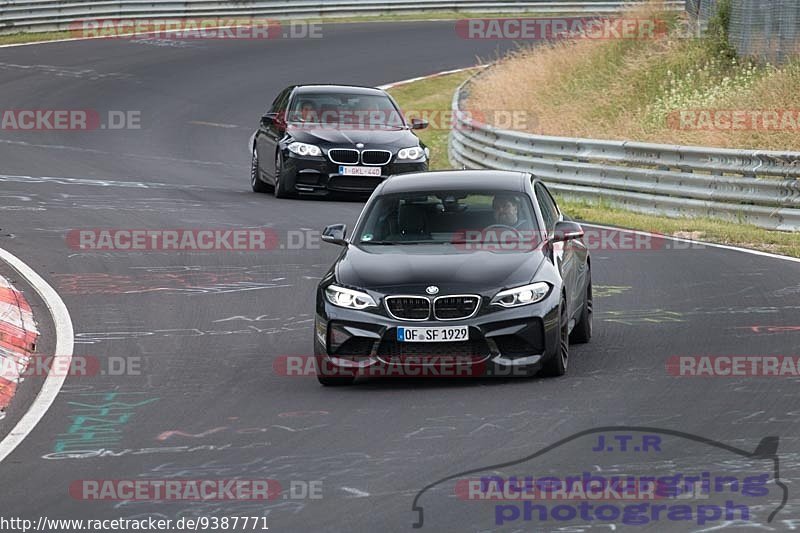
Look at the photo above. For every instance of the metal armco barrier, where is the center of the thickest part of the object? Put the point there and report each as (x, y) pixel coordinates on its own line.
(48, 15)
(753, 186)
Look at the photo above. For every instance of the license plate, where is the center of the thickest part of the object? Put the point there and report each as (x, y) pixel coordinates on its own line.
(435, 334)
(359, 171)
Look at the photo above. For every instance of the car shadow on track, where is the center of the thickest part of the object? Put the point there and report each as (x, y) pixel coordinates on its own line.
(383, 383)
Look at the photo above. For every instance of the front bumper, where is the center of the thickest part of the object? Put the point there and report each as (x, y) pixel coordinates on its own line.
(502, 343)
(319, 175)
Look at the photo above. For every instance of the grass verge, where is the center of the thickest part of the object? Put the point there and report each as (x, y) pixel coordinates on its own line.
(670, 87)
(437, 94)
(432, 96)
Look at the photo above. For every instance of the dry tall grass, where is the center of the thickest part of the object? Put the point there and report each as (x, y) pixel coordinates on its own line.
(626, 89)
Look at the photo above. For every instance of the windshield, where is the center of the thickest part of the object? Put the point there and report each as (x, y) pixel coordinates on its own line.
(345, 109)
(454, 217)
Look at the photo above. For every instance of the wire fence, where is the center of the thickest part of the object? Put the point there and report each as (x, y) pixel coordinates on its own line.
(763, 29)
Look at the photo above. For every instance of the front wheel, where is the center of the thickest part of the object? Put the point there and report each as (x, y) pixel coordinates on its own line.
(582, 331)
(281, 190)
(255, 179)
(557, 365)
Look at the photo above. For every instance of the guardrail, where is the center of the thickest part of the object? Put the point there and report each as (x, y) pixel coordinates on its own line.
(50, 15)
(753, 186)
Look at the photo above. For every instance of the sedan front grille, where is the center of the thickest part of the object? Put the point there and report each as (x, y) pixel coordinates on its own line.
(343, 156)
(455, 307)
(408, 307)
(376, 157)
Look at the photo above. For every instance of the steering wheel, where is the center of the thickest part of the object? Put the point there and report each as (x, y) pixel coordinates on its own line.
(503, 226)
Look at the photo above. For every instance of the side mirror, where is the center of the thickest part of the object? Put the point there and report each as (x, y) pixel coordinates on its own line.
(268, 118)
(335, 234)
(566, 230)
(418, 124)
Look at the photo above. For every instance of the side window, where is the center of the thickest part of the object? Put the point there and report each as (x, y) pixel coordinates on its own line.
(280, 102)
(547, 206)
(552, 201)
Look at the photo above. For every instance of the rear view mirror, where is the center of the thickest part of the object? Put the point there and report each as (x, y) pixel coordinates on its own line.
(335, 234)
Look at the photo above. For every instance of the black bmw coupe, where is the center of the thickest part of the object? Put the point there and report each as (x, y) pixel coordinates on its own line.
(316, 139)
(472, 269)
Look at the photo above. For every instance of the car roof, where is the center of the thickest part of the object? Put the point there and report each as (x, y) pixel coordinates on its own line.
(456, 180)
(352, 89)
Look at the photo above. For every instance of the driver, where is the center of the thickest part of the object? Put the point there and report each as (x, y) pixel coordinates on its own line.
(506, 211)
(307, 112)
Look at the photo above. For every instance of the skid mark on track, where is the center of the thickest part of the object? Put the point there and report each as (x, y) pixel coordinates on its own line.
(660, 316)
(185, 279)
(195, 283)
(214, 124)
(116, 154)
(169, 43)
(603, 291)
(66, 72)
(288, 325)
(85, 181)
(160, 334)
(646, 316)
(356, 492)
(771, 329)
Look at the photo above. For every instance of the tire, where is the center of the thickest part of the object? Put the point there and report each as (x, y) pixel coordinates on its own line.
(280, 189)
(582, 332)
(557, 365)
(255, 182)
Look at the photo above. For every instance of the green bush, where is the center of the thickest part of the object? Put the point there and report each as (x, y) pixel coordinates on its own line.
(718, 30)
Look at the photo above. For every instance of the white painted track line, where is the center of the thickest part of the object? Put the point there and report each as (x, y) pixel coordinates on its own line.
(63, 351)
(702, 243)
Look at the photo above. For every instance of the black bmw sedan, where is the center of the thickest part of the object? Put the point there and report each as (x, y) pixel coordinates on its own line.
(321, 138)
(455, 273)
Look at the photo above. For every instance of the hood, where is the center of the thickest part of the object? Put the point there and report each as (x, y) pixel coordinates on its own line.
(372, 138)
(400, 268)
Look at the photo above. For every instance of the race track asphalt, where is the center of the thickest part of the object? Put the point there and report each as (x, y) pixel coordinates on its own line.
(206, 327)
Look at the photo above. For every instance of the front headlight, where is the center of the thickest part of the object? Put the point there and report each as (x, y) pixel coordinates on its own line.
(348, 298)
(304, 149)
(412, 153)
(527, 294)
